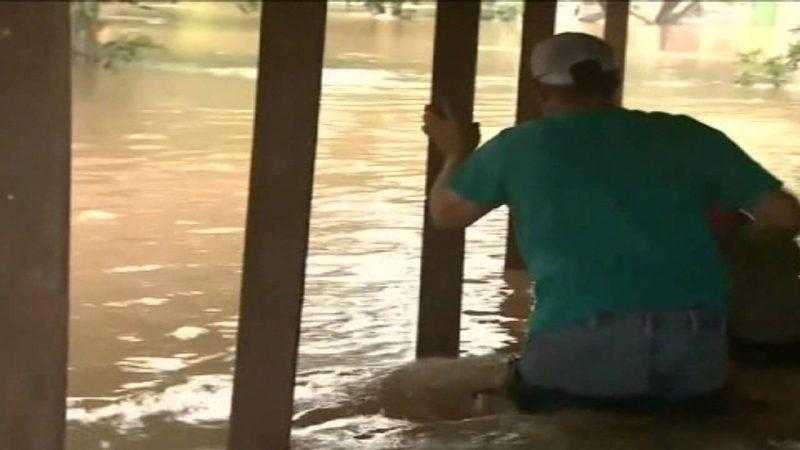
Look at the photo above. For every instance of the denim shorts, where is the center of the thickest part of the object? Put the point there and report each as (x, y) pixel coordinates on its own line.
(635, 359)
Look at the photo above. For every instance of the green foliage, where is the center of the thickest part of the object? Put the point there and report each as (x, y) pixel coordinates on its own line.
(87, 23)
(507, 12)
(503, 11)
(84, 15)
(755, 67)
(248, 6)
(749, 63)
(793, 54)
(377, 7)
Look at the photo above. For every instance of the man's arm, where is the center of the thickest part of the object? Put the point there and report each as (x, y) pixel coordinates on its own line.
(446, 207)
(776, 216)
(743, 184)
(456, 141)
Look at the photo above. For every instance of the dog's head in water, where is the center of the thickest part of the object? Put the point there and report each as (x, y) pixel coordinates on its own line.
(426, 390)
(442, 388)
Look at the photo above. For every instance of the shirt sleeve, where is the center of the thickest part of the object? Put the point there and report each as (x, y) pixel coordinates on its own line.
(481, 179)
(738, 180)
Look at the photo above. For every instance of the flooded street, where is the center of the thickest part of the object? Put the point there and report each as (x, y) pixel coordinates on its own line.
(160, 170)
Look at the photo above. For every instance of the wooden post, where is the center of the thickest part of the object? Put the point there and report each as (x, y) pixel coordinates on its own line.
(34, 223)
(276, 240)
(616, 34)
(538, 24)
(455, 52)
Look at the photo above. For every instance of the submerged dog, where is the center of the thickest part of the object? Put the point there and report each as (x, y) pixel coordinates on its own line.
(442, 392)
(427, 390)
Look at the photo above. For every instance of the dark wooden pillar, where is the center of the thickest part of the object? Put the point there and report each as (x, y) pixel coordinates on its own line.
(455, 51)
(538, 24)
(276, 240)
(616, 34)
(34, 222)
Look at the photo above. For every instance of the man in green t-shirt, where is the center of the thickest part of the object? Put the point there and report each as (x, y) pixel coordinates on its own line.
(611, 215)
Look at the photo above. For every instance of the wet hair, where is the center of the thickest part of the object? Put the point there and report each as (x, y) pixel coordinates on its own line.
(589, 80)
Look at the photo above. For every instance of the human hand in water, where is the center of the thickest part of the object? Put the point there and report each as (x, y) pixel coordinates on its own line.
(452, 137)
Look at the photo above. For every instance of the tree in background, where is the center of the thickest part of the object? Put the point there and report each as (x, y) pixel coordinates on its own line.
(503, 11)
(248, 6)
(377, 7)
(87, 23)
(775, 70)
(670, 14)
(490, 9)
(86, 27)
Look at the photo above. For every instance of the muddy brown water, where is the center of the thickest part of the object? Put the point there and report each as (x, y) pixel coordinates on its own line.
(161, 155)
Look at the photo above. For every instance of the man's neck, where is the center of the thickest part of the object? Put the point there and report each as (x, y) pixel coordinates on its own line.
(560, 109)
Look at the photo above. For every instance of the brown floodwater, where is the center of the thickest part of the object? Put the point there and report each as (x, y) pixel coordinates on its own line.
(160, 169)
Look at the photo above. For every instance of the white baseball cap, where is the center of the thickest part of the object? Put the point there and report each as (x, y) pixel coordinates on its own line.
(552, 58)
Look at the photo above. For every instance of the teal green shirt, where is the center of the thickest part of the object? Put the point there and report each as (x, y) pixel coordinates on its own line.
(611, 209)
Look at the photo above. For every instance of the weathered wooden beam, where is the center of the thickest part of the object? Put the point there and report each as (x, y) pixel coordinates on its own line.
(616, 34)
(538, 24)
(276, 241)
(34, 223)
(455, 53)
